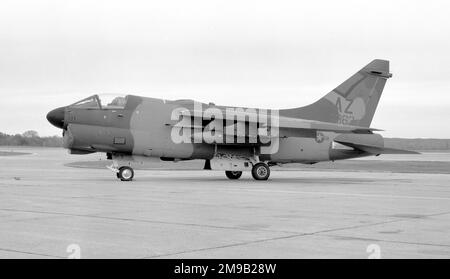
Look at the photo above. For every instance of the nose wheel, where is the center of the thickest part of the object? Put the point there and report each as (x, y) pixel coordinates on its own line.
(125, 173)
(121, 166)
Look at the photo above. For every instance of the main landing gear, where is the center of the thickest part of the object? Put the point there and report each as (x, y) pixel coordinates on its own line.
(260, 171)
(233, 174)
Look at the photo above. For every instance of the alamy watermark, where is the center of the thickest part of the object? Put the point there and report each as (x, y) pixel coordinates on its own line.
(74, 251)
(228, 125)
(374, 251)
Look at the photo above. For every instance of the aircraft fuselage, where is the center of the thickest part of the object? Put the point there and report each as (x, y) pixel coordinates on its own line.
(143, 128)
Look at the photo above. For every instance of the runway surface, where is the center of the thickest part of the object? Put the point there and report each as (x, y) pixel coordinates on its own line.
(47, 208)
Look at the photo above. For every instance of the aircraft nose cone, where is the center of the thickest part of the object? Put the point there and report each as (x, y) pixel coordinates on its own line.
(56, 117)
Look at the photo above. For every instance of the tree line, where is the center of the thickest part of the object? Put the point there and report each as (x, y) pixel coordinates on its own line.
(30, 138)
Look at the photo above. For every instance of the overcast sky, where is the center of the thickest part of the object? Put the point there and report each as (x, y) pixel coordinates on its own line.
(270, 54)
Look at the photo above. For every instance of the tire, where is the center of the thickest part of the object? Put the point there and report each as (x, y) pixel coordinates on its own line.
(125, 174)
(233, 174)
(261, 171)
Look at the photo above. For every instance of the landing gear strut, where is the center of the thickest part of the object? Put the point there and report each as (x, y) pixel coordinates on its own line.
(233, 174)
(261, 171)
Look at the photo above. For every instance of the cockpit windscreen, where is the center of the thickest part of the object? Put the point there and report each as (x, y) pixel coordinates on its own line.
(102, 101)
(112, 101)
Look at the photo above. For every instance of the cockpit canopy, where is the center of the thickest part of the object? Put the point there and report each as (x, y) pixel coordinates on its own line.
(102, 101)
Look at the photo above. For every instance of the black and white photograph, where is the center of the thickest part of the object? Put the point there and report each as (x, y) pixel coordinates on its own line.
(234, 130)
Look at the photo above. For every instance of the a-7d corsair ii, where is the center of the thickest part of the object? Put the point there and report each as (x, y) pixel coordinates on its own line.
(131, 129)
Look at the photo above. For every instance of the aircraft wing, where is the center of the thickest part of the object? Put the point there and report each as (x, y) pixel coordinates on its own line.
(373, 149)
(295, 123)
(240, 119)
(277, 122)
(262, 134)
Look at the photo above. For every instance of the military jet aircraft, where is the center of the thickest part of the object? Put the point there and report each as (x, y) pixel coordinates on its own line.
(131, 129)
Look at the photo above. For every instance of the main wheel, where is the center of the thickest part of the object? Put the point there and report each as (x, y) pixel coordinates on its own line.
(261, 171)
(125, 174)
(233, 174)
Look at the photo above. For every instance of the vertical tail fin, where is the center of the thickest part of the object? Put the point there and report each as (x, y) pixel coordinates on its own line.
(353, 102)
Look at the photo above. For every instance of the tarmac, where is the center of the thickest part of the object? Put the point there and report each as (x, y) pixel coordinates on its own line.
(50, 210)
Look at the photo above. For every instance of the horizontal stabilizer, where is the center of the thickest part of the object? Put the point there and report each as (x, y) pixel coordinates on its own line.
(373, 149)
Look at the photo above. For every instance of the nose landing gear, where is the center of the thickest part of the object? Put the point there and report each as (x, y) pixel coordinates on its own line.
(125, 174)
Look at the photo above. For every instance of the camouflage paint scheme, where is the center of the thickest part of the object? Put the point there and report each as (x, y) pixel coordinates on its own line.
(143, 126)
